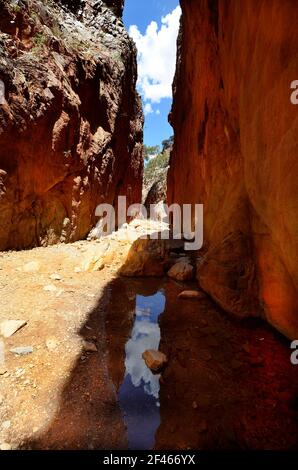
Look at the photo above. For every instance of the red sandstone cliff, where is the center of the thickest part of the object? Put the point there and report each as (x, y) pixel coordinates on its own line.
(236, 151)
(71, 125)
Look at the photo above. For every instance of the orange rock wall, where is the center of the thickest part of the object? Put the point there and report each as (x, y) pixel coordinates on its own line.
(71, 128)
(236, 150)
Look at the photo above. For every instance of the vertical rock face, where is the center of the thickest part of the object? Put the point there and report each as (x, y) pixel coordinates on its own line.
(236, 151)
(71, 121)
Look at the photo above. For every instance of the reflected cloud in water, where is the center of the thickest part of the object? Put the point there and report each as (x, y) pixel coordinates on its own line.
(139, 393)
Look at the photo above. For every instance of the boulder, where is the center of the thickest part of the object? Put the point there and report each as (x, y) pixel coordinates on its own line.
(155, 360)
(181, 271)
(146, 257)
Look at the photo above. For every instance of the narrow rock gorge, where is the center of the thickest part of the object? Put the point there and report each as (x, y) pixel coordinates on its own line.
(235, 151)
(128, 340)
(71, 127)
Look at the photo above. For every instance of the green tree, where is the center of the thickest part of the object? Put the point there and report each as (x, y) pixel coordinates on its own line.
(150, 150)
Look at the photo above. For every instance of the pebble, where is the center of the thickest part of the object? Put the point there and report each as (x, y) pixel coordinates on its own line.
(50, 288)
(19, 372)
(51, 344)
(89, 346)
(6, 424)
(31, 267)
(22, 350)
(5, 446)
(192, 294)
(55, 277)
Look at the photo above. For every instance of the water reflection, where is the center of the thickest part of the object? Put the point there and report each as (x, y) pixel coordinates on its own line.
(139, 393)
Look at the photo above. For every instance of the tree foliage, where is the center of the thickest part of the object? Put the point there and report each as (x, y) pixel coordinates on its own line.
(149, 151)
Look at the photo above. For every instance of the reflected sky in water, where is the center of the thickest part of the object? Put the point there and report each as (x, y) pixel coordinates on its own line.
(139, 393)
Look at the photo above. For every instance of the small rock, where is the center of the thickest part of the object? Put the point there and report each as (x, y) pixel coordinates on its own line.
(6, 424)
(31, 267)
(22, 350)
(194, 405)
(93, 262)
(5, 446)
(191, 294)
(9, 327)
(77, 269)
(155, 360)
(19, 372)
(89, 346)
(181, 271)
(50, 288)
(55, 277)
(51, 344)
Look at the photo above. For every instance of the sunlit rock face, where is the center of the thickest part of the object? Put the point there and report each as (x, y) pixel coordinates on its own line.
(236, 151)
(71, 123)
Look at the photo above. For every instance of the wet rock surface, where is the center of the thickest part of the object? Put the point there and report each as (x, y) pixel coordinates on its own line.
(227, 384)
(231, 383)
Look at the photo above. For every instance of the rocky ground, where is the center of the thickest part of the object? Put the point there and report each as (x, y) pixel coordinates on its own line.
(54, 290)
(58, 390)
(55, 312)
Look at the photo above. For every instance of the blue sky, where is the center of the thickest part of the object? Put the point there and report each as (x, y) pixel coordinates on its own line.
(156, 60)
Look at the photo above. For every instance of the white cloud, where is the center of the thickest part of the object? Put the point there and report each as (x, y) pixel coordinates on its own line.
(148, 109)
(157, 56)
(158, 112)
